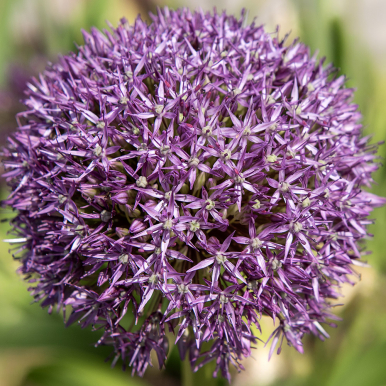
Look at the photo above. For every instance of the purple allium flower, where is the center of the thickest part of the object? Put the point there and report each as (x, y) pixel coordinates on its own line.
(194, 172)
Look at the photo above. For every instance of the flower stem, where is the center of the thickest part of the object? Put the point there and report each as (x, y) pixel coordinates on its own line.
(187, 373)
(203, 376)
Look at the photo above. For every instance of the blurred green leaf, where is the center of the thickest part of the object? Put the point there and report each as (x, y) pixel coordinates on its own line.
(337, 42)
(367, 368)
(71, 368)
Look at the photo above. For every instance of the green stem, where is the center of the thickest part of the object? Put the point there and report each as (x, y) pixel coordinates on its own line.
(187, 373)
(203, 377)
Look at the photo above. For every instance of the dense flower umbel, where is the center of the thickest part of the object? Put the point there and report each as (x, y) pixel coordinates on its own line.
(194, 172)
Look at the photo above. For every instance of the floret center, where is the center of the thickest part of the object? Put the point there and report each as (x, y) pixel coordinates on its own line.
(207, 131)
(142, 182)
(226, 154)
(194, 161)
(297, 227)
(124, 258)
(284, 187)
(194, 226)
(220, 258)
(182, 288)
(154, 278)
(168, 224)
(209, 204)
(256, 243)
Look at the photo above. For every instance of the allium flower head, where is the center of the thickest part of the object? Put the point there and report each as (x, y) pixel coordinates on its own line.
(194, 172)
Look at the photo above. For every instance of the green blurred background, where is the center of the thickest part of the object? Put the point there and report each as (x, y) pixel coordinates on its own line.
(37, 350)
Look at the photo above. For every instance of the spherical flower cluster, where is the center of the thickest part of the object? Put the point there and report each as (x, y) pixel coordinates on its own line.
(194, 175)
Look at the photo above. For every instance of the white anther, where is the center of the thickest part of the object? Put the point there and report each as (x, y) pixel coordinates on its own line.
(220, 258)
(209, 204)
(276, 264)
(226, 154)
(256, 243)
(124, 258)
(284, 187)
(158, 108)
(154, 278)
(207, 131)
(272, 158)
(164, 150)
(194, 162)
(141, 182)
(182, 288)
(297, 227)
(168, 224)
(194, 226)
(98, 150)
(239, 179)
(306, 202)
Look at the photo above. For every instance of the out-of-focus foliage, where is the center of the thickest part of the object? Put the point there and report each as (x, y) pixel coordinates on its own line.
(37, 350)
(33, 28)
